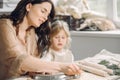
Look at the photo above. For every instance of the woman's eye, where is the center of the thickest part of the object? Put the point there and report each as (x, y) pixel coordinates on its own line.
(43, 11)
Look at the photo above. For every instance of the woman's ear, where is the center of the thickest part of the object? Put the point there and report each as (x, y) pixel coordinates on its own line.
(28, 7)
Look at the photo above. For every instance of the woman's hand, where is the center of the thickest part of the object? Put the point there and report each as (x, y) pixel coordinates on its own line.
(71, 69)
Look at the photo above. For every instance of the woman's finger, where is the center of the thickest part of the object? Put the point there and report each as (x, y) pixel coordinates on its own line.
(75, 69)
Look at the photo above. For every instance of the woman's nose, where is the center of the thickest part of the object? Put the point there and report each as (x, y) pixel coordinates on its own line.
(45, 17)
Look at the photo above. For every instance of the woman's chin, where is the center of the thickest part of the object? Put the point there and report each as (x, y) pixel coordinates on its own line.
(36, 26)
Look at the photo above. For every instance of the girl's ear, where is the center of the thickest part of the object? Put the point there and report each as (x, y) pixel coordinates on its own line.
(28, 7)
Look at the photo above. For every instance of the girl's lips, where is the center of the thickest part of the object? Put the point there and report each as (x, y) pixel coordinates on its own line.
(60, 44)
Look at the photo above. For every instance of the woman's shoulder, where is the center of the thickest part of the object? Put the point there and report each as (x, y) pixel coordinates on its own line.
(4, 20)
(6, 25)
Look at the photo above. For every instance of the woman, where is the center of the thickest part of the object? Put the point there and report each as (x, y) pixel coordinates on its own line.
(23, 35)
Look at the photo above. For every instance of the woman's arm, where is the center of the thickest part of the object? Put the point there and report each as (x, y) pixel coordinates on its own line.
(38, 65)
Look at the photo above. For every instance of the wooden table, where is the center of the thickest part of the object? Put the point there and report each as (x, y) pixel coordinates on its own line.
(89, 76)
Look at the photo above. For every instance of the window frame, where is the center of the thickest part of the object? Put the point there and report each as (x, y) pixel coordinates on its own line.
(112, 11)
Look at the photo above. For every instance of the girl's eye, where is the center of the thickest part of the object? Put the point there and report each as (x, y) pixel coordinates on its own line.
(56, 37)
(63, 37)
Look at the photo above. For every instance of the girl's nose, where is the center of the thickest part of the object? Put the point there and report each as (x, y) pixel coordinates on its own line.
(60, 39)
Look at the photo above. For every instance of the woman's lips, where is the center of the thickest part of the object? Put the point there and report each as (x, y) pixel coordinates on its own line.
(41, 21)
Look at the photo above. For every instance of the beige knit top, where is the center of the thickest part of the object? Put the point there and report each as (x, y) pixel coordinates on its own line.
(16, 58)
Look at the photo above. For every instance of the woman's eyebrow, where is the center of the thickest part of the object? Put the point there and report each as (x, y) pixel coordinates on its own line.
(46, 10)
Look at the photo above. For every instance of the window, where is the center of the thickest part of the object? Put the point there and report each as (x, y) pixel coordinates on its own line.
(1, 3)
(118, 8)
(109, 8)
(98, 6)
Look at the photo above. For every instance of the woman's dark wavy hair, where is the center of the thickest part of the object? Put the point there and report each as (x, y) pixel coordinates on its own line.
(18, 14)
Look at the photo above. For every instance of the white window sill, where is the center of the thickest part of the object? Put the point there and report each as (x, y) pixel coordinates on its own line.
(115, 33)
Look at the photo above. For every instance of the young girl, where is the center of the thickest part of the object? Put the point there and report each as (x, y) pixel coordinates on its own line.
(60, 43)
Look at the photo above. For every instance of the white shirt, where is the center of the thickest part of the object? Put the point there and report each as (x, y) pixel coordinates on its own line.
(59, 56)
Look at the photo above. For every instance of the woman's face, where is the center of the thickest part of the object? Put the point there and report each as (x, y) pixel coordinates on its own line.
(38, 13)
(59, 41)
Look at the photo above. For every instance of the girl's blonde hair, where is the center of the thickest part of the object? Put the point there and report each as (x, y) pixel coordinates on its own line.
(59, 25)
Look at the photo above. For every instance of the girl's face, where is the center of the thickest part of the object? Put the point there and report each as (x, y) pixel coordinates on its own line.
(38, 13)
(59, 41)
